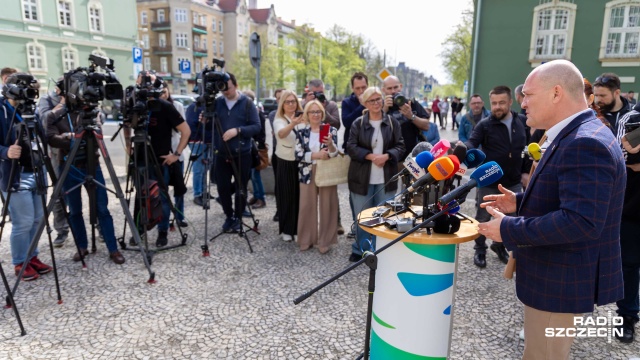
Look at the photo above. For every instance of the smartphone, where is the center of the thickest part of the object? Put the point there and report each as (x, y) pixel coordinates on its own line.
(298, 113)
(633, 134)
(324, 131)
(373, 222)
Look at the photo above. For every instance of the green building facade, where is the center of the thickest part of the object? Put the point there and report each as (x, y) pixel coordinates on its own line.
(50, 37)
(511, 37)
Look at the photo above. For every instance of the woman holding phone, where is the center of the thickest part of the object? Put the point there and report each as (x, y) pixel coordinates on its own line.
(285, 124)
(375, 146)
(316, 142)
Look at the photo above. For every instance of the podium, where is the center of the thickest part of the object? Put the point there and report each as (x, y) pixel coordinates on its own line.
(412, 315)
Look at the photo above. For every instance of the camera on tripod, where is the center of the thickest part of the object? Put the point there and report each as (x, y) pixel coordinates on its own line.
(141, 99)
(84, 87)
(210, 83)
(23, 90)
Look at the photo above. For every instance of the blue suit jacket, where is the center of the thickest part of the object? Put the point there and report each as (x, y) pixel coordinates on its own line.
(566, 237)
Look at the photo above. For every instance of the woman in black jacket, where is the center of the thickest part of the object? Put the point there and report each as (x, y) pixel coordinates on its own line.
(375, 146)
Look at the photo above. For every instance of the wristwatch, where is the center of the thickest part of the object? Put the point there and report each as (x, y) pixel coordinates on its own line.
(177, 153)
(413, 117)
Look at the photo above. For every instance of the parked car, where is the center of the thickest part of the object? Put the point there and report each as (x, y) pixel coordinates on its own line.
(269, 104)
(186, 100)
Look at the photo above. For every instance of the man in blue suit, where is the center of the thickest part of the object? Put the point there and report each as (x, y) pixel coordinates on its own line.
(566, 235)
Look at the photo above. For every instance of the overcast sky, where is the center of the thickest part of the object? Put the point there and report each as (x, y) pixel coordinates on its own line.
(409, 30)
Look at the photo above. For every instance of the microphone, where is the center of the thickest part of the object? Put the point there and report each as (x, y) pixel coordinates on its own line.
(534, 151)
(474, 158)
(456, 165)
(446, 224)
(439, 169)
(420, 147)
(415, 166)
(440, 148)
(485, 175)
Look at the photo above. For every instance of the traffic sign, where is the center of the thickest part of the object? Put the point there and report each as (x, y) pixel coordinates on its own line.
(466, 86)
(137, 55)
(185, 69)
(383, 74)
(255, 50)
(427, 88)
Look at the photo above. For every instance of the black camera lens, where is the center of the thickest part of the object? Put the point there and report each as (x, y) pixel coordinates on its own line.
(399, 100)
(320, 96)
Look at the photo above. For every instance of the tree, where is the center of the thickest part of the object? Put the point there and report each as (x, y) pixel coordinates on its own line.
(456, 54)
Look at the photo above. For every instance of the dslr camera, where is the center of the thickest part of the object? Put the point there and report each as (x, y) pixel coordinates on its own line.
(320, 96)
(399, 100)
(211, 82)
(84, 87)
(23, 90)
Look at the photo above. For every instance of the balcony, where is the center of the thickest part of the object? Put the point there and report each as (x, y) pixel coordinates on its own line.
(161, 50)
(199, 29)
(200, 52)
(161, 26)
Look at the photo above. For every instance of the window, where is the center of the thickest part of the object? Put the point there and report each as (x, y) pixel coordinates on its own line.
(162, 40)
(95, 17)
(181, 15)
(197, 65)
(143, 18)
(221, 48)
(180, 60)
(203, 20)
(220, 26)
(552, 32)
(181, 40)
(145, 41)
(36, 57)
(196, 42)
(147, 63)
(163, 65)
(160, 15)
(69, 58)
(240, 29)
(30, 8)
(215, 48)
(213, 25)
(621, 32)
(195, 18)
(204, 43)
(64, 13)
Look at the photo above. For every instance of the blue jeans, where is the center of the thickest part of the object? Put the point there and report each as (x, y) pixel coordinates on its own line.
(198, 167)
(360, 203)
(25, 207)
(74, 200)
(256, 183)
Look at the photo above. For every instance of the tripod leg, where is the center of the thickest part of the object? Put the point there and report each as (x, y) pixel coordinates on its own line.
(11, 301)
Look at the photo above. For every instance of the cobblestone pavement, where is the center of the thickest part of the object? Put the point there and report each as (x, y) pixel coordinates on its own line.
(238, 305)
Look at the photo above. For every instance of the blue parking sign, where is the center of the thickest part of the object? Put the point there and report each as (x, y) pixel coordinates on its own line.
(137, 55)
(185, 67)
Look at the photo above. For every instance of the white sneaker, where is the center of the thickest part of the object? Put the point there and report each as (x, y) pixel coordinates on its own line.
(522, 334)
(287, 237)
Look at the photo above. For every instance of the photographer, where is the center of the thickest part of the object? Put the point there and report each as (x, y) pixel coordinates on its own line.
(61, 130)
(630, 228)
(46, 105)
(238, 122)
(163, 119)
(316, 92)
(411, 115)
(25, 204)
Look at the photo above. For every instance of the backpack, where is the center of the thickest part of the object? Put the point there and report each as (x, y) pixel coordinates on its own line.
(152, 204)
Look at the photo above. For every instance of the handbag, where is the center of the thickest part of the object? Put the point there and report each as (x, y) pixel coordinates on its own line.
(263, 154)
(333, 171)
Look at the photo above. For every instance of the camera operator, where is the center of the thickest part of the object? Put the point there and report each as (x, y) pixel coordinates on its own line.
(61, 127)
(25, 204)
(629, 230)
(161, 123)
(47, 104)
(238, 123)
(4, 74)
(411, 116)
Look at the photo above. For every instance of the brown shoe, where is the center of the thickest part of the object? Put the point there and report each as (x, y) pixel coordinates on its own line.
(84, 252)
(340, 229)
(117, 257)
(259, 204)
(252, 201)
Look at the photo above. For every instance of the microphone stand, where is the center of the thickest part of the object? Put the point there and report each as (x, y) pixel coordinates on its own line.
(371, 260)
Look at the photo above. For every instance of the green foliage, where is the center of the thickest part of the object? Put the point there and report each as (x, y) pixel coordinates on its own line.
(456, 55)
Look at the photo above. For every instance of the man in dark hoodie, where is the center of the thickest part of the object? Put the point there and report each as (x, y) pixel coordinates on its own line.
(606, 89)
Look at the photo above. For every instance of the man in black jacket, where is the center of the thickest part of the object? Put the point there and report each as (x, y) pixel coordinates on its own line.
(502, 136)
(614, 106)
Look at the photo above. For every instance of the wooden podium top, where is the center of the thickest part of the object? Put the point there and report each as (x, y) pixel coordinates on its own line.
(468, 231)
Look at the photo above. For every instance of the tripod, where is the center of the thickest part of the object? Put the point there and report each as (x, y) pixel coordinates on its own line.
(91, 134)
(239, 185)
(141, 180)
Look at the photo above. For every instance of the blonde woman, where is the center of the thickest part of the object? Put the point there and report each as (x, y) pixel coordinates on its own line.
(287, 120)
(310, 149)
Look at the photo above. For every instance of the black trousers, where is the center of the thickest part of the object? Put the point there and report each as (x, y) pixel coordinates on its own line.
(288, 185)
(223, 174)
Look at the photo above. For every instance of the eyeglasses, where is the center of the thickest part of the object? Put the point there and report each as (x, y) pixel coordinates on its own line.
(316, 112)
(374, 101)
(603, 80)
(290, 102)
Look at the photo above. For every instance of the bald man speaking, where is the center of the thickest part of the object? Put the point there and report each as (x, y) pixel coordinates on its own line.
(566, 235)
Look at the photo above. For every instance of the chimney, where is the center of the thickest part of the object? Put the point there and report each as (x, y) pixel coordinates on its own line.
(253, 4)
(293, 22)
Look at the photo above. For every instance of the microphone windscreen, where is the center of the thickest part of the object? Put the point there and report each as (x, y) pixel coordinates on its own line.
(420, 147)
(487, 174)
(474, 158)
(535, 151)
(424, 159)
(441, 168)
(446, 224)
(460, 151)
(440, 148)
(456, 165)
